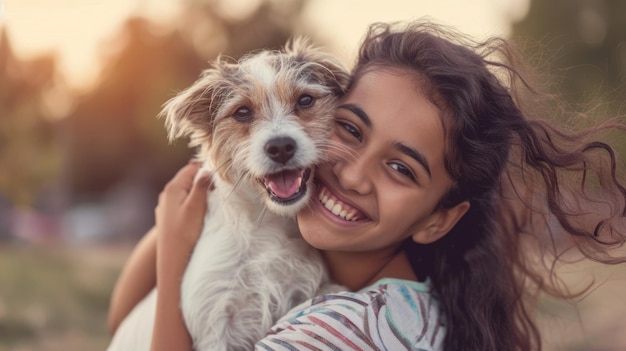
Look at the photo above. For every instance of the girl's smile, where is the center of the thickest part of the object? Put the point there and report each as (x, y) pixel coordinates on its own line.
(338, 208)
(384, 184)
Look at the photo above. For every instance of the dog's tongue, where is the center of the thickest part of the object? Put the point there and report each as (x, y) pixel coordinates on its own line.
(284, 184)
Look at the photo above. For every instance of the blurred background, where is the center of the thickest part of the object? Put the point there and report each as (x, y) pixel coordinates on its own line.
(83, 156)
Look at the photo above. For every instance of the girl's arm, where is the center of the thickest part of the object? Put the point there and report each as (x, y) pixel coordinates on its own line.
(179, 218)
(138, 277)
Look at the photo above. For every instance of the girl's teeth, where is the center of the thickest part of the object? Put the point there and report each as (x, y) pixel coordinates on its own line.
(330, 204)
(336, 207)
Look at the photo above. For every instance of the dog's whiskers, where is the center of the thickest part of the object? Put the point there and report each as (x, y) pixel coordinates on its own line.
(227, 163)
(335, 150)
(261, 216)
(237, 183)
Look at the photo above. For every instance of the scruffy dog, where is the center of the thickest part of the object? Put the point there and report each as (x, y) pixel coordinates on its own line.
(260, 126)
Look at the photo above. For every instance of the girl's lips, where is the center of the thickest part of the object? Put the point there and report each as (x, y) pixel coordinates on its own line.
(336, 207)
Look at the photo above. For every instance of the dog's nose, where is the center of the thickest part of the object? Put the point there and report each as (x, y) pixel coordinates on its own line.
(281, 149)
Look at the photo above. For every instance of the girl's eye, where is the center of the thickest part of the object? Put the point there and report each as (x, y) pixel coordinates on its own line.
(351, 129)
(243, 114)
(305, 101)
(403, 170)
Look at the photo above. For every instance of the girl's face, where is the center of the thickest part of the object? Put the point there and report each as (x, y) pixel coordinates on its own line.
(390, 176)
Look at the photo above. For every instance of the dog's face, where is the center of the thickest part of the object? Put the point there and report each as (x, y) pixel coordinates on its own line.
(265, 120)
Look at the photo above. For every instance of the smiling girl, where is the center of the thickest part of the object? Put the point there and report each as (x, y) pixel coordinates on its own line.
(425, 209)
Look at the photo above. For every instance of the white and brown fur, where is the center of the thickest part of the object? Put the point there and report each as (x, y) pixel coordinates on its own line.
(250, 266)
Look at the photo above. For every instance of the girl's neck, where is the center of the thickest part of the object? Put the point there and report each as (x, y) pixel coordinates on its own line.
(356, 270)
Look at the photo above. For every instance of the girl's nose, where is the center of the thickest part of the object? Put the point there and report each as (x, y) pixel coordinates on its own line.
(352, 174)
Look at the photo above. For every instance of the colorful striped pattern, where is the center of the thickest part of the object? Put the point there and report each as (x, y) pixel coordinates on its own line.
(392, 315)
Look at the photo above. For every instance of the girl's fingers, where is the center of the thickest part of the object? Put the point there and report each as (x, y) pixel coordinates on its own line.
(184, 178)
(198, 194)
(180, 185)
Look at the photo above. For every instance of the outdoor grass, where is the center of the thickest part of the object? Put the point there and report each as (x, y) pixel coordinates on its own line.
(56, 299)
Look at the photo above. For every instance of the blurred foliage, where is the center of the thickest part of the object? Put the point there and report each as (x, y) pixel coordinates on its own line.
(113, 130)
(92, 140)
(582, 43)
(29, 154)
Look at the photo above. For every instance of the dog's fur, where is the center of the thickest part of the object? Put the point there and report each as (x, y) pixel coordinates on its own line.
(260, 126)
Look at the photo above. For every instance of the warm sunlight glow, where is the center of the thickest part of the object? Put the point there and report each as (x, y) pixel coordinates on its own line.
(76, 30)
(344, 22)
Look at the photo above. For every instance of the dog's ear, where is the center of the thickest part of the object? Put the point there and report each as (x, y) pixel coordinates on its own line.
(325, 67)
(192, 111)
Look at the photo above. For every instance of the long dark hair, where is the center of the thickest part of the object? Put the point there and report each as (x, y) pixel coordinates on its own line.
(512, 166)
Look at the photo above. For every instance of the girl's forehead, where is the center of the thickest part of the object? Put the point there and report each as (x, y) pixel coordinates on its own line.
(398, 112)
(394, 82)
(388, 93)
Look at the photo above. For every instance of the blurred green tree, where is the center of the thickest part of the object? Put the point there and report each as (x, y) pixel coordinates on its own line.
(584, 44)
(29, 152)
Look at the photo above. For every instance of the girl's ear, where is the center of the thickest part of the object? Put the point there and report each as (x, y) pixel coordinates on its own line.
(440, 223)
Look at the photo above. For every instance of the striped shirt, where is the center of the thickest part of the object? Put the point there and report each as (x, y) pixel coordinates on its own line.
(391, 314)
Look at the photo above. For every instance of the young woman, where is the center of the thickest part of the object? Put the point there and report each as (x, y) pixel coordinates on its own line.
(428, 210)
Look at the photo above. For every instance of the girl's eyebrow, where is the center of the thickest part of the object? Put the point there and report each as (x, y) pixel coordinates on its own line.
(409, 151)
(358, 111)
(416, 155)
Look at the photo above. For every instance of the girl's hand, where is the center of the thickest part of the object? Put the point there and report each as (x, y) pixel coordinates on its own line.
(179, 219)
(181, 208)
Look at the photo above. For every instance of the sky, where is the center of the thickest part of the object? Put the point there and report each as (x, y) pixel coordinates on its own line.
(75, 29)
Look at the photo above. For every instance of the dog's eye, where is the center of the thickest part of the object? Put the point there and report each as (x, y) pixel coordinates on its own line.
(305, 101)
(243, 114)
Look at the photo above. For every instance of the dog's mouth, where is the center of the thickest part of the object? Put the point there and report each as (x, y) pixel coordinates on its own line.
(286, 186)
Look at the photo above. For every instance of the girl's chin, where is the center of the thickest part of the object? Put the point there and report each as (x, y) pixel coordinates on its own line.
(322, 229)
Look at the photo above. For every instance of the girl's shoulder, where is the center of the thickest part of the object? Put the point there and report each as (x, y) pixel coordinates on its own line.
(390, 314)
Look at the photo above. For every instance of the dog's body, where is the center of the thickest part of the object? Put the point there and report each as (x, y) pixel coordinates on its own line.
(244, 276)
(260, 126)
